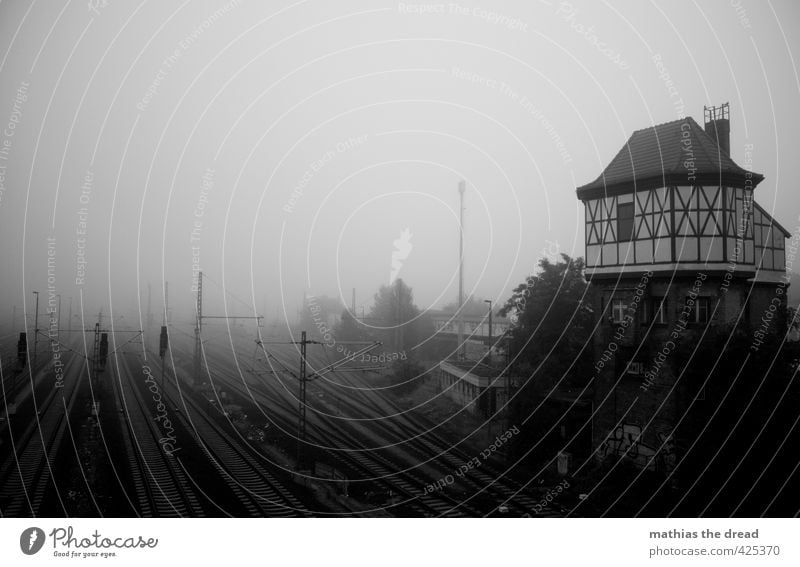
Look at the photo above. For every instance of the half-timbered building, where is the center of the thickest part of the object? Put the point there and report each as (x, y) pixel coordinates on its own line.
(675, 243)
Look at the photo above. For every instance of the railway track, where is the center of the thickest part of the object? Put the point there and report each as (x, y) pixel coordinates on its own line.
(388, 474)
(409, 457)
(485, 478)
(28, 470)
(256, 488)
(162, 487)
(420, 441)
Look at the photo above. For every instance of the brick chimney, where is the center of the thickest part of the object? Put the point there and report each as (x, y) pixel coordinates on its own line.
(718, 125)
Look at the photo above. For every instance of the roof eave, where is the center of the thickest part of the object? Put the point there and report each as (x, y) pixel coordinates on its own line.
(599, 188)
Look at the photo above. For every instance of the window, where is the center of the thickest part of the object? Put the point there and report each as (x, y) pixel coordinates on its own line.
(702, 309)
(625, 221)
(618, 308)
(699, 313)
(636, 368)
(659, 310)
(644, 311)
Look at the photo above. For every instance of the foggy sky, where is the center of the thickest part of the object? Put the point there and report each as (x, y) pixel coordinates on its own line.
(298, 140)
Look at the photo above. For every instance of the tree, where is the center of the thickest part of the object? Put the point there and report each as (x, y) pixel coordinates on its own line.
(402, 326)
(550, 346)
(552, 322)
(349, 329)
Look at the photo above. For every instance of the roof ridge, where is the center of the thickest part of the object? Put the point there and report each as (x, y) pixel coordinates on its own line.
(675, 166)
(700, 146)
(654, 126)
(664, 170)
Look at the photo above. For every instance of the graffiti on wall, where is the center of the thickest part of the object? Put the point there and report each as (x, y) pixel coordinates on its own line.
(626, 442)
(667, 452)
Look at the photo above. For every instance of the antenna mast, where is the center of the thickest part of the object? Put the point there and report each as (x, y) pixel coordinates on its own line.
(198, 327)
(462, 187)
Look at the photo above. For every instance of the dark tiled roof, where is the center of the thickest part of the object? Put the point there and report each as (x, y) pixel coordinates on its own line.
(660, 155)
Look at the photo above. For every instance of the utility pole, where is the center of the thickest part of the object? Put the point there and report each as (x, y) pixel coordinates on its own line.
(397, 322)
(508, 372)
(162, 350)
(305, 379)
(301, 424)
(491, 398)
(462, 187)
(96, 350)
(69, 323)
(489, 357)
(198, 327)
(35, 331)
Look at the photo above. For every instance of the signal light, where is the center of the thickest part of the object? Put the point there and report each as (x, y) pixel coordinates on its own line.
(22, 349)
(164, 342)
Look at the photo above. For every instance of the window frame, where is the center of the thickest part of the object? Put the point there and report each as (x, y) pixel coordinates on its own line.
(615, 304)
(659, 305)
(694, 317)
(625, 236)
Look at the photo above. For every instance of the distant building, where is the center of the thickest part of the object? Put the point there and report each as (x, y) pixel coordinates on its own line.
(476, 339)
(674, 242)
(475, 386)
(475, 326)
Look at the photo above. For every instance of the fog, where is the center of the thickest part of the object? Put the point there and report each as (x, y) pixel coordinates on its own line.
(284, 147)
